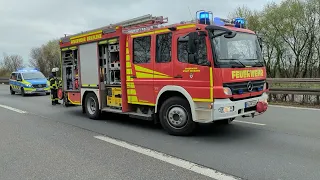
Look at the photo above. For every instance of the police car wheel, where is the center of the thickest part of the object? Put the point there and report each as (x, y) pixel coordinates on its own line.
(92, 106)
(22, 92)
(175, 117)
(11, 91)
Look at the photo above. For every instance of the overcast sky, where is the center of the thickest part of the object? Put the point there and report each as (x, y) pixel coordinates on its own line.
(29, 23)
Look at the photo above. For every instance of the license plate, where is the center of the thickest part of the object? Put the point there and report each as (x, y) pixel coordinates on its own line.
(39, 89)
(250, 103)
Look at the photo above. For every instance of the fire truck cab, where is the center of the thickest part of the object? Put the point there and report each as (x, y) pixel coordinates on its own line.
(179, 75)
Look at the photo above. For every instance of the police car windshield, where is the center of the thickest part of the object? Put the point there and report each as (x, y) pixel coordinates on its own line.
(33, 75)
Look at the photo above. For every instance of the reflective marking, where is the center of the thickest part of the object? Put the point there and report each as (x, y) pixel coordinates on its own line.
(169, 159)
(293, 107)
(246, 122)
(13, 109)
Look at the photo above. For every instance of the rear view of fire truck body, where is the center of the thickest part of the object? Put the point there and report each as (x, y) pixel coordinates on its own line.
(166, 74)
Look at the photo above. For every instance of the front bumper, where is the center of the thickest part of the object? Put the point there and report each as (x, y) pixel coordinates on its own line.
(36, 90)
(225, 109)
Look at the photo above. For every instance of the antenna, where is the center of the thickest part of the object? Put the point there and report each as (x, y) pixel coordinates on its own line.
(190, 13)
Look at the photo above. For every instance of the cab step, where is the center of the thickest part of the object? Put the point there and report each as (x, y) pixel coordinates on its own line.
(131, 114)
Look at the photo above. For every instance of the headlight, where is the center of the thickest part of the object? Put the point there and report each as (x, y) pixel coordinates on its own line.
(227, 91)
(29, 85)
(265, 86)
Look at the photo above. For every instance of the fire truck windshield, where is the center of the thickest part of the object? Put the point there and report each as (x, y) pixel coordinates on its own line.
(239, 51)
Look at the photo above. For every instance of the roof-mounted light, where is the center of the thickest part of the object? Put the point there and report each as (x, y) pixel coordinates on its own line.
(28, 70)
(239, 22)
(204, 17)
(217, 21)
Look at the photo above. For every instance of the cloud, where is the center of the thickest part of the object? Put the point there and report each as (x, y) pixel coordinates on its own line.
(27, 24)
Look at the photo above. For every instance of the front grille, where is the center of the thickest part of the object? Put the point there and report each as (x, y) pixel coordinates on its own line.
(242, 87)
(39, 85)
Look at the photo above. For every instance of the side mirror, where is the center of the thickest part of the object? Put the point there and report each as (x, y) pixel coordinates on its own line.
(230, 34)
(260, 42)
(192, 42)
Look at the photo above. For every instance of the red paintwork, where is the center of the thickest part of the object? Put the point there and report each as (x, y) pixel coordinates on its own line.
(122, 49)
(224, 75)
(74, 97)
(198, 86)
(76, 84)
(104, 36)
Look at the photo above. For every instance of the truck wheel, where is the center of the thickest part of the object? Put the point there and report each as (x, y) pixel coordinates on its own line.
(175, 117)
(11, 91)
(92, 106)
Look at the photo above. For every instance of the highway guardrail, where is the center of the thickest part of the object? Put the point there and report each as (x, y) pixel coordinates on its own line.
(296, 86)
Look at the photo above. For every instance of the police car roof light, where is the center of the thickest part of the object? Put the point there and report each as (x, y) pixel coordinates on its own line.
(28, 70)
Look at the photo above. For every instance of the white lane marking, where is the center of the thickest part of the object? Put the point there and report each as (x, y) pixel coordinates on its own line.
(169, 159)
(293, 107)
(246, 122)
(13, 109)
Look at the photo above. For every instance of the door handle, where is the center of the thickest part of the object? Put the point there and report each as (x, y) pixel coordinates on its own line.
(178, 76)
(133, 76)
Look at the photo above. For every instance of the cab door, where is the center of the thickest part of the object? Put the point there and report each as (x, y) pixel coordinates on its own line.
(140, 71)
(19, 81)
(13, 82)
(194, 77)
(163, 66)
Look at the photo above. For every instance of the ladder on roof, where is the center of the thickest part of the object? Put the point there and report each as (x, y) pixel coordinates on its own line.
(146, 21)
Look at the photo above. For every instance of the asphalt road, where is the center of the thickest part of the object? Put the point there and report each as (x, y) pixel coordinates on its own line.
(57, 143)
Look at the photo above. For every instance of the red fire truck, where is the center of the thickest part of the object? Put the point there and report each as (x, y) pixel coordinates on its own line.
(207, 70)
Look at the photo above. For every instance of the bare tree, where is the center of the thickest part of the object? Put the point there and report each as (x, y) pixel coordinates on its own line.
(12, 62)
(46, 56)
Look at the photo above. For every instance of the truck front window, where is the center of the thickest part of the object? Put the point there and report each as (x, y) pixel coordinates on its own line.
(241, 50)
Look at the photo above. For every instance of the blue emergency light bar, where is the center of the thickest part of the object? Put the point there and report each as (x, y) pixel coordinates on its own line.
(28, 70)
(204, 17)
(237, 22)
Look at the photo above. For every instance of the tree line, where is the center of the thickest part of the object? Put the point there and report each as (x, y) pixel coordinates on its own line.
(290, 36)
(289, 31)
(44, 58)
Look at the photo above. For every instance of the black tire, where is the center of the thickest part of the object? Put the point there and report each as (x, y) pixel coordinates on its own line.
(182, 107)
(11, 91)
(22, 92)
(47, 94)
(92, 114)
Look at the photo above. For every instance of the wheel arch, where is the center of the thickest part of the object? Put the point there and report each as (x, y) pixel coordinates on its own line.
(84, 93)
(170, 91)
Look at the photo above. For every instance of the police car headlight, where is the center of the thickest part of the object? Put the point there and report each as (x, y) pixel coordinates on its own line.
(29, 85)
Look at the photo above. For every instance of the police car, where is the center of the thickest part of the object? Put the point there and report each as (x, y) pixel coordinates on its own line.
(28, 81)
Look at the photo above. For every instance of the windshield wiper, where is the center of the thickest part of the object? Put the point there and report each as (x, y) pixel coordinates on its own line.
(237, 61)
(256, 63)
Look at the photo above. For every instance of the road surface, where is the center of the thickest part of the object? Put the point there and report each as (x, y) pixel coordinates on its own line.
(39, 141)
